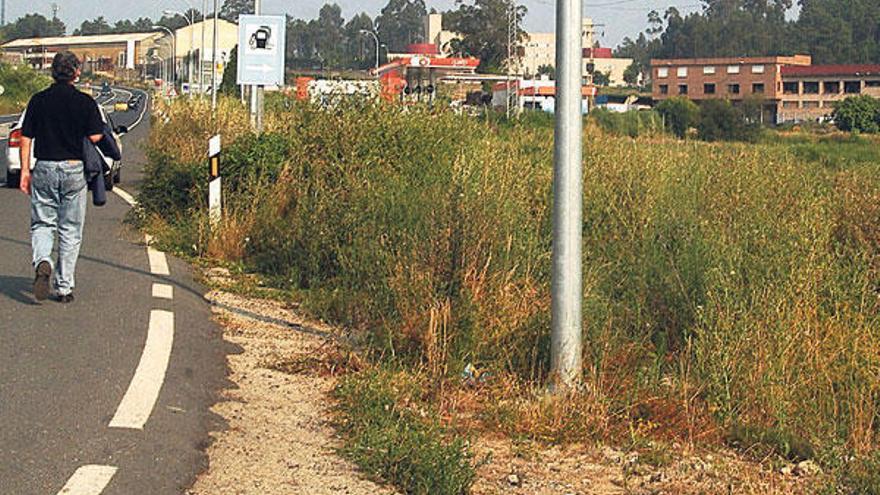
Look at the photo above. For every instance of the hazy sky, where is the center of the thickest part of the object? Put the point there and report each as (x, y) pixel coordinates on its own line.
(621, 17)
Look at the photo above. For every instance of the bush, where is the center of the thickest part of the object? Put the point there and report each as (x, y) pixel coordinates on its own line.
(632, 124)
(680, 114)
(19, 84)
(858, 113)
(721, 121)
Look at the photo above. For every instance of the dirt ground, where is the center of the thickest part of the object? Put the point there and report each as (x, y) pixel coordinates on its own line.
(279, 439)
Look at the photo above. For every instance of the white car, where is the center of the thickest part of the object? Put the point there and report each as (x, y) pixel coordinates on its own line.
(12, 161)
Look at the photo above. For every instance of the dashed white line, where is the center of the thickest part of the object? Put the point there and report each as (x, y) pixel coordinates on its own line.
(88, 480)
(158, 262)
(139, 400)
(163, 291)
(128, 198)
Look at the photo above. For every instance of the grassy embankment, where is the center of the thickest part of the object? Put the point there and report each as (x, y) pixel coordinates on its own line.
(731, 290)
(19, 84)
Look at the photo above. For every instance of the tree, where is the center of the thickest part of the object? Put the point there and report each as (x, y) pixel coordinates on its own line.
(632, 75)
(483, 31)
(719, 121)
(231, 9)
(228, 85)
(547, 70)
(360, 49)
(858, 113)
(97, 26)
(329, 36)
(33, 26)
(400, 23)
(602, 78)
(680, 114)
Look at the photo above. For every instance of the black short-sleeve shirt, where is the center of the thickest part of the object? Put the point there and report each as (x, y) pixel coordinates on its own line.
(57, 119)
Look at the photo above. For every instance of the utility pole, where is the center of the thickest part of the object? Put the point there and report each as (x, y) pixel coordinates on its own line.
(257, 92)
(511, 47)
(567, 285)
(214, 85)
(201, 61)
(2, 12)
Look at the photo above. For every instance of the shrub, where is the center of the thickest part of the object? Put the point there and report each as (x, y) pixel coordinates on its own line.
(632, 124)
(858, 113)
(680, 114)
(19, 84)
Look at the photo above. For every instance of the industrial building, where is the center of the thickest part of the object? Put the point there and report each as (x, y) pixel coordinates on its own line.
(110, 53)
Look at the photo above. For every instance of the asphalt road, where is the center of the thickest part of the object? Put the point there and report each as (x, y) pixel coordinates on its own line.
(76, 410)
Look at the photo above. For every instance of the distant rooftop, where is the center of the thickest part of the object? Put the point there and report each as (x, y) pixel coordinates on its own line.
(832, 70)
(98, 39)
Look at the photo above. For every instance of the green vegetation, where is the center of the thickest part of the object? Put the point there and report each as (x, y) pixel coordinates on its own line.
(858, 113)
(396, 444)
(19, 84)
(632, 124)
(729, 287)
(680, 114)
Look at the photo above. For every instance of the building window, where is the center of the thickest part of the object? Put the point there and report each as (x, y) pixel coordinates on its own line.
(872, 84)
(664, 89)
(811, 87)
(758, 88)
(682, 72)
(709, 70)
(790, 88)
(852, 87)
(733, 89)
(789, 104)
(663, 72)
(709, 89)
(757, 69)
(832, 87)
(811, 104)
(682, 89)
(733, 69)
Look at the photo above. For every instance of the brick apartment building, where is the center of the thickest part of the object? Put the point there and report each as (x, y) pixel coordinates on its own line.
(809, 93)
(734, 79)
(792, 88)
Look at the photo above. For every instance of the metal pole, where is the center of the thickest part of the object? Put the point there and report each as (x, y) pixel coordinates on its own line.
(375, 37)
(202, 53)
(257, 91)
(214, 63)
(567, 288)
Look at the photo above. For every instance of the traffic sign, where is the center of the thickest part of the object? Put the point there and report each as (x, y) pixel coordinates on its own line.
(261, 50)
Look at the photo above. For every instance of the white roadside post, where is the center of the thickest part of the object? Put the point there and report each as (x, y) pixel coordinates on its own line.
(215, 199)
(567, 288)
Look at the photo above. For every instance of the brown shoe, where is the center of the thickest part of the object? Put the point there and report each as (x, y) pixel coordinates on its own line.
(41, 281)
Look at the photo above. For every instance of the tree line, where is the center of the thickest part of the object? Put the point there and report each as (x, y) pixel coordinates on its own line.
(832, 31)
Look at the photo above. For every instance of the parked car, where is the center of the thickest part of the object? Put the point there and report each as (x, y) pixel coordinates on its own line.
(12, 161)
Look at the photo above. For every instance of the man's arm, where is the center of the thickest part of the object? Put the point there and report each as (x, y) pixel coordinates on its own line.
(24, 154)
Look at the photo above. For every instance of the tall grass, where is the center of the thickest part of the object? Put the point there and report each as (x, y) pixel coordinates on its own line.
(19, 84)
(726, 286)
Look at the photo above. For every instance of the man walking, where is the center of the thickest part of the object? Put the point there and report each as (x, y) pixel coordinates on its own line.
(58, 120)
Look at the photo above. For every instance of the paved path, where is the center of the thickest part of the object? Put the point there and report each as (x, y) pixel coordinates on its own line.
(108, 395)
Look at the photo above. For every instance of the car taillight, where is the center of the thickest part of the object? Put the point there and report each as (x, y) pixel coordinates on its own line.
(15, 138)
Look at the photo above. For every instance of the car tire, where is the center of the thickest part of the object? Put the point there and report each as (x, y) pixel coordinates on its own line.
(13, 179)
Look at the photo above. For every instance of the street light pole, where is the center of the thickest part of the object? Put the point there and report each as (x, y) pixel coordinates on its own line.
(214, 84)
(191, 21)
(173, 53)
(202, 53)
(375, 37)
(567, 279)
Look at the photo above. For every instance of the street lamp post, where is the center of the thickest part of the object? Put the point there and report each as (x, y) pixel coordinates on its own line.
(191, 21)
(375, 37)
(173, 53)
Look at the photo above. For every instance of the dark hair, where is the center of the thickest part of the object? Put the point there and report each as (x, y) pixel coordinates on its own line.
(64, 67)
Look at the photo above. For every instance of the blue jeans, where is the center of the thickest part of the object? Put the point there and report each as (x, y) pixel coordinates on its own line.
(58, 204)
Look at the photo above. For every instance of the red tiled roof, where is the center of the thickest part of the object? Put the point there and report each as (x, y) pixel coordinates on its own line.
(831, 70)
(598, 53)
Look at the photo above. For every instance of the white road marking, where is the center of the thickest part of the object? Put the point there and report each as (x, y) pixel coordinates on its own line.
(88, 480)
(163, 291)
(139, 400)
(158, 262)
(128, 198)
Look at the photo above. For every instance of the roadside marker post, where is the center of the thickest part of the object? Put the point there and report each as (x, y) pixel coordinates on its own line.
(567, 280)
(215, 199)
